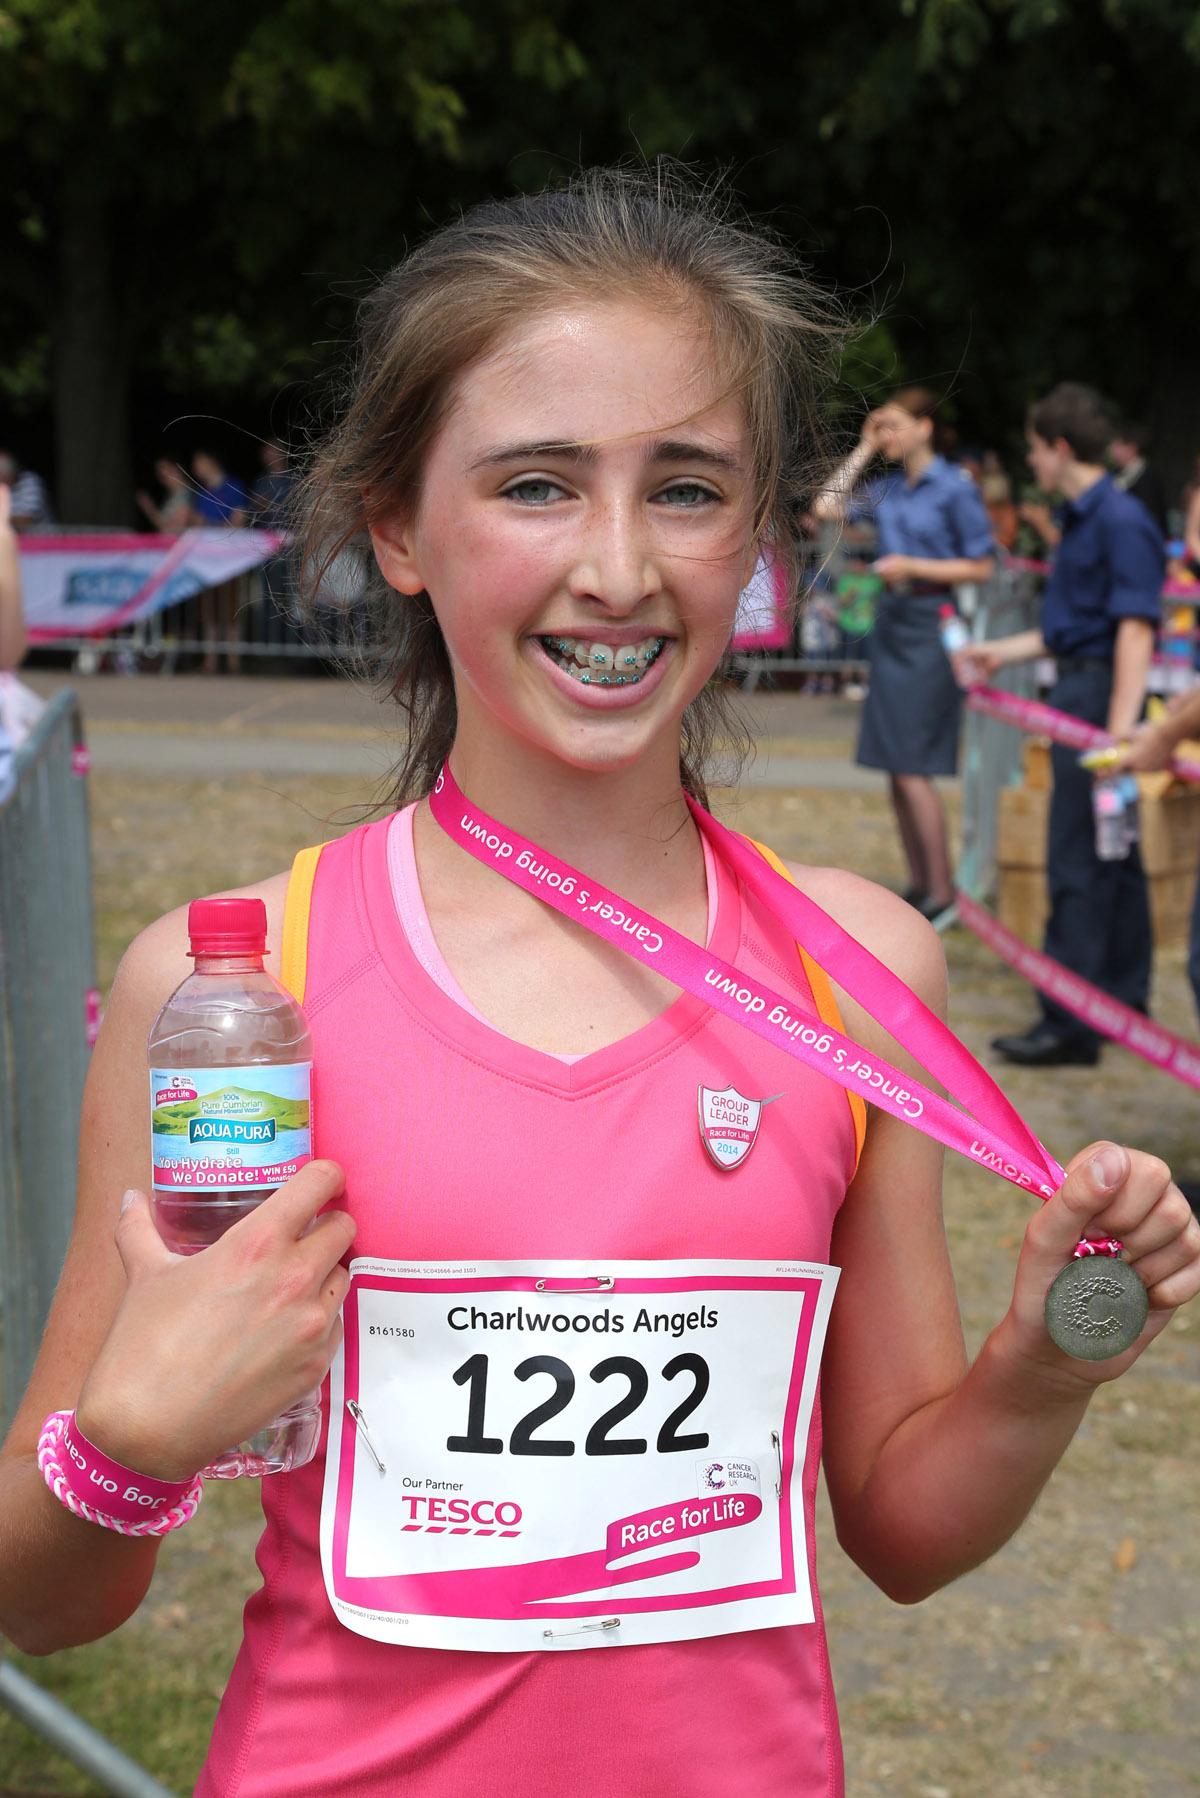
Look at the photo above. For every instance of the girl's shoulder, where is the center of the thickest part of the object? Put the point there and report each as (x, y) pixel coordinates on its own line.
(157, 959)
(882, 922)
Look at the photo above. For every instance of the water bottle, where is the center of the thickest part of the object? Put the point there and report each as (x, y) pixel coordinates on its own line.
(1131, 808)
(1108, 811)
(955, 633)
(230, 1119)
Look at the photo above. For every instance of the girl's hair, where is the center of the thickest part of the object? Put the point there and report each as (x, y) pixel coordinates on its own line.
(655, 235)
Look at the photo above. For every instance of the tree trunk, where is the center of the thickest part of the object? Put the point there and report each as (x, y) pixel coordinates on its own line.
(92, 357)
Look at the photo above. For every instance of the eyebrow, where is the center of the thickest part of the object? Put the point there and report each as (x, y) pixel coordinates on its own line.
(666, 449)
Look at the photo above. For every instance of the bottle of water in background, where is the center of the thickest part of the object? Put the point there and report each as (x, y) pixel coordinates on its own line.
(955, 633)
(230, 1119)
(1108, 809)
(1131, 808)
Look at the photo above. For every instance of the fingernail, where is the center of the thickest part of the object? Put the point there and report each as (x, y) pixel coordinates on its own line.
(1108, 1167)
(127, 1199)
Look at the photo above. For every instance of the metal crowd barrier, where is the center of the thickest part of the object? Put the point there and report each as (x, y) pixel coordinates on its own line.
(48, 1012)
(47, 1003)
(991, 750)
(252, 618)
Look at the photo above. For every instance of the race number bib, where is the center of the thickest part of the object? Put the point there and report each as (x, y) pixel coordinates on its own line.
(553, 1456)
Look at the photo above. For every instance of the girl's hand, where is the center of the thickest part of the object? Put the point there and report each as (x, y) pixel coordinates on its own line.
(208, 1348)
(1108, 1191)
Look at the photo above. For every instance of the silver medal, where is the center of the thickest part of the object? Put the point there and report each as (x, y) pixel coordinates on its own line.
(1096, 1308)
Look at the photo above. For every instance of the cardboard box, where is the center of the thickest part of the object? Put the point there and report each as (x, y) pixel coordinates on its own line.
(1035, 764)
(1170, 826)
(1021, 827)
(1170, 847)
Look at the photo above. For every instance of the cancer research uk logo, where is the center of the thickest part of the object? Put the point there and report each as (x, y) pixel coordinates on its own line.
(729, 1125)
(732, 1475)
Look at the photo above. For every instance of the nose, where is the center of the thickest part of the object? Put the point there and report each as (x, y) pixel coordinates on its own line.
(617, 567)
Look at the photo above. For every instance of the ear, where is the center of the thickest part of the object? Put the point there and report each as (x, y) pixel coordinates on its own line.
(395, 552)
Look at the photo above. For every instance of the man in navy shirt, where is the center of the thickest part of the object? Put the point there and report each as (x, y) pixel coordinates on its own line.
(1100, 612)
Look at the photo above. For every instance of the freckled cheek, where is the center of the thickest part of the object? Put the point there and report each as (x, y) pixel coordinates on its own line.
(484, 582)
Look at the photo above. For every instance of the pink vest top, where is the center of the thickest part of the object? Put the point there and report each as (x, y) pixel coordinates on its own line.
(458, 1142)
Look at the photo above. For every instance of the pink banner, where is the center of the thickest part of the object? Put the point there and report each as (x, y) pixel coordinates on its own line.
(89, 586)
(1120, 1023)
(764, 610)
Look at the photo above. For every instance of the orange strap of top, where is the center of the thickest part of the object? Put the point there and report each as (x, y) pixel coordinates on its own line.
(293, 955)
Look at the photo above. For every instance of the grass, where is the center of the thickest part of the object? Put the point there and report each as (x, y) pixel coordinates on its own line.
(1067, 1666)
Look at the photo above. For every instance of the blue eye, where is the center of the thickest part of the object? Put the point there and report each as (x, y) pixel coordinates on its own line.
(535, 490)
(688, 495)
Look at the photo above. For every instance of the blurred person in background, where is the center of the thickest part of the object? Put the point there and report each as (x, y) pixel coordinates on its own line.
(271, 492)
(29, 505)
(996, 491)
(1149, 751)
(1100, 611)
(270, 509)
(173, 513)
(1133, 473)
(18, 706)
(13, 641)
(1191, 532)
(219, 500)
(933, 535)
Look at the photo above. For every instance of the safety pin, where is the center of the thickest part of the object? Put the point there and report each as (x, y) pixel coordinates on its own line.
(776, 1445)
(360, 1423)
(600, 1283)
(581, 1629)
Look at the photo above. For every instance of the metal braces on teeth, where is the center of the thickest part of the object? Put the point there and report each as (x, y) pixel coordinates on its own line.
(565, 648)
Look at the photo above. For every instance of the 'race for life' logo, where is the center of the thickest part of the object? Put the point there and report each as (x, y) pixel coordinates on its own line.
(729, 1125)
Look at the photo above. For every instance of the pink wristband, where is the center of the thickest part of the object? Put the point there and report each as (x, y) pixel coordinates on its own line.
(100, 1490)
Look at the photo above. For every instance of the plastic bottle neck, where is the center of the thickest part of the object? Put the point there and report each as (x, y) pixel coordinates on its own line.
(229, 964)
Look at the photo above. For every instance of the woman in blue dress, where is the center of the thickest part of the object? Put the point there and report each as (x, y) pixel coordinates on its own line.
(933, 534)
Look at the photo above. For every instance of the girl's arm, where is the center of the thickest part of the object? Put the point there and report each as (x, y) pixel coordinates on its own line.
(167, 1359)
(931, 1464)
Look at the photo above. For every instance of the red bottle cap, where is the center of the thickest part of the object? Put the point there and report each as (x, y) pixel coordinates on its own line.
(947, 612)
(227, 927)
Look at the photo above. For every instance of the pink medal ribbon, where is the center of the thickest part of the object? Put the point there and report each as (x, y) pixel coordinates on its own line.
(988, 1130)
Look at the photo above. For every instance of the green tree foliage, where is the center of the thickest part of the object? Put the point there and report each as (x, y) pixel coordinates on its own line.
(195, 196)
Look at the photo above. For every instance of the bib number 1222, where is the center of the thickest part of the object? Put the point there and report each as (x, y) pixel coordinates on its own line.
(524, 1440)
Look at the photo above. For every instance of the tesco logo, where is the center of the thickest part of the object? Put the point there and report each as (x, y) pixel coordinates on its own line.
(481, 1514)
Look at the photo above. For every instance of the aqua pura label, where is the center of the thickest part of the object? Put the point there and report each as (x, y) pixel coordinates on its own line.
(230, 1127)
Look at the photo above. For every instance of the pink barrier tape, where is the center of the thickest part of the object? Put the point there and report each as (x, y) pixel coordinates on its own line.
(1120, 1023)
(81, 759)
(91, 1015)
(1047, 721)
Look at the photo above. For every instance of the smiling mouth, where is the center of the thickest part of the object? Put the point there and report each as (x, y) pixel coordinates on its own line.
(599, 664)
